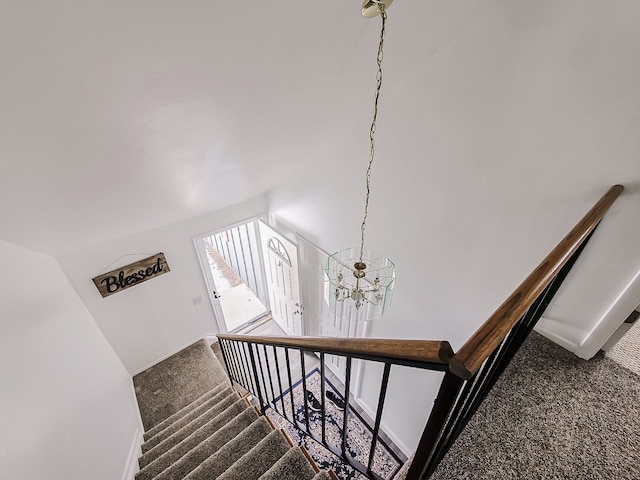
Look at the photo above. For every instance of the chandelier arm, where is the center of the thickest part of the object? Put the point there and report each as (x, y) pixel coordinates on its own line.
(372, 129)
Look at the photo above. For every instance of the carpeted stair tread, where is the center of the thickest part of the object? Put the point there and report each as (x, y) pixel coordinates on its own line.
(322, 475)
(204, 430)
(259, 459)
(217, 403)
(168, 386)
(220, 461)
(219, 420)
(224, 457)
(293, 465)
(182, 412)
(192, 451)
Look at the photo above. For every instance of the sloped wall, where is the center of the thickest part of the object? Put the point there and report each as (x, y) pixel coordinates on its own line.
(148, 322)
(67, 405)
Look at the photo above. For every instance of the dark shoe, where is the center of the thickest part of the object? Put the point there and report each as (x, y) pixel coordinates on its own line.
(313, 402)
(336, 400)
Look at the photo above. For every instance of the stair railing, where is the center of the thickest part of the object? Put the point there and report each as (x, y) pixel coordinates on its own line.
(477, 365)
(263, 366)
(468, 377)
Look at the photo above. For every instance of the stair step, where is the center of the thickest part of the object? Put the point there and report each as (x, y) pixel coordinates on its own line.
(194, 449)
(259, 459)
(323, 475)
(222, 398)
(219, 462)
(226, 456)
(215, 416)
(294, 465)
(220, 435)
(183, 411)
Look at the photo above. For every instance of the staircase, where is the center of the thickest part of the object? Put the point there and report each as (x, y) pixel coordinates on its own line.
(221, 435)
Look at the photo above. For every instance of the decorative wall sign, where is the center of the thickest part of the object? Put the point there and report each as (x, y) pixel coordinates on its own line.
(124, 277)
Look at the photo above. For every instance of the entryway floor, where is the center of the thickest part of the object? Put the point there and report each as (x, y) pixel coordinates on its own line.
(238, 303)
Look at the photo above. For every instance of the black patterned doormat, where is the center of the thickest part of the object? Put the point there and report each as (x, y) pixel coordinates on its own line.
(386, 463)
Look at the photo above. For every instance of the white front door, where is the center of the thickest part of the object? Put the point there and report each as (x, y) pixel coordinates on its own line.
(281, 272)
(311, 264)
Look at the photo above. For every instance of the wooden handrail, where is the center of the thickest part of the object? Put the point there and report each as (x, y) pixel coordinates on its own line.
(422, 351)
(477, 349)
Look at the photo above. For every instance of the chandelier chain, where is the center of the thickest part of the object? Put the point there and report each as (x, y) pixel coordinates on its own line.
(372, 130)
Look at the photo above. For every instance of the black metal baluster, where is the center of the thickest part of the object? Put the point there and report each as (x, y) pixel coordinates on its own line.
(248, 363)
(485, 379)
(255, 374)
(503, 355)
(458, 415)
(422, 462)
(304, 391)
(244, 362)
(268, 366)
(242, 380)
(514, 340)
(234, 361)
(293, 408)
(227, 361)
(322, 401)
(472, 390)
(476, 389)
(456, 401)
(264, 383)
(347, 381)
(376, 428)
(537, 309)
(238, 362)
(284, 410)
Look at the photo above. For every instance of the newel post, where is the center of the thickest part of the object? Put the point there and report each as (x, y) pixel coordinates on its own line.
(425, 458)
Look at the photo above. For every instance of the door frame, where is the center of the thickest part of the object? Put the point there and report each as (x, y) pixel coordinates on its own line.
(208, 277)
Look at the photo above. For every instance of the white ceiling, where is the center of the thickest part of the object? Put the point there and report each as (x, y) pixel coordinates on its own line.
(119, 116)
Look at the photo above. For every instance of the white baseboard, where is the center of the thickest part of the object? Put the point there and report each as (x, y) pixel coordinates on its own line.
(385, 428)
(206, 337)
(211, 338)
(556, 338)
(132, 467)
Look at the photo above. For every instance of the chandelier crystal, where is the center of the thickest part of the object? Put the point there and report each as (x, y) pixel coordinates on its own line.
(360, 280)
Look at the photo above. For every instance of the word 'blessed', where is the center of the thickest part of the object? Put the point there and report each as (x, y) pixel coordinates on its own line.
(134, 274)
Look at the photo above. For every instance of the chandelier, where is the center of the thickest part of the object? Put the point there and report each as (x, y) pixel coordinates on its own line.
(360, 280)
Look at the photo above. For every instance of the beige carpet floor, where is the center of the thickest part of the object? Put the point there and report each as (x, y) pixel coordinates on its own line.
(552, 416)
(175, 382)
(627, 351)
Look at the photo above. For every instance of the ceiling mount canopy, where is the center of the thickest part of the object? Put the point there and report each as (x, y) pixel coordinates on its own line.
(373, 8)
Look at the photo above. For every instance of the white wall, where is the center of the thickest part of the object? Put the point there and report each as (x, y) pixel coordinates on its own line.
(150, 321)
(507, 120)
(603, 288)
(67, 407)
(459, 257)
(525, 118)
